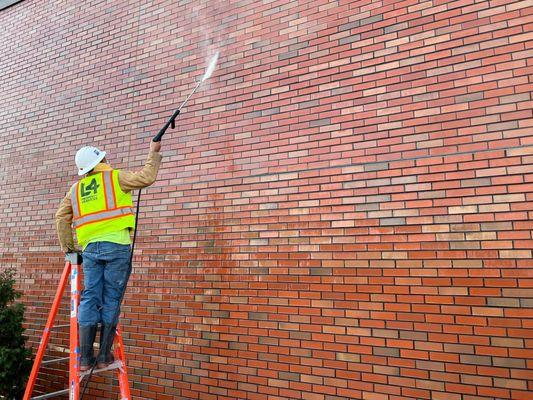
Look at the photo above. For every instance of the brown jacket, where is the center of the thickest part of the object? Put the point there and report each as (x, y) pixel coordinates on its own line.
(128, 181)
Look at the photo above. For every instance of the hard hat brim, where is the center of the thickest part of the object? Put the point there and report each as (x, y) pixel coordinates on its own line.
(93, 164)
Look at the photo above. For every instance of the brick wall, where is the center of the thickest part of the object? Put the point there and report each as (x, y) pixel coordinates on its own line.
(343, 213)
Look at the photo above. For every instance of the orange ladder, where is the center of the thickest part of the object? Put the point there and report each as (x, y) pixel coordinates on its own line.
(72, 269)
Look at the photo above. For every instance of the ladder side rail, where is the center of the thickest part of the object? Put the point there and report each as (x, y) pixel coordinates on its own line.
(46, 334)
(74, 367)
(122, 371)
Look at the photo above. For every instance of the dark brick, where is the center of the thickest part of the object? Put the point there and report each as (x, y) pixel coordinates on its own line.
(371, 20)
(350, 39)
(320, 122)
(321, 271)
(477, 360)
(258, 316)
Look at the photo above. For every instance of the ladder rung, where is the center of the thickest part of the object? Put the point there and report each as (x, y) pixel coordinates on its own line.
(49, 395)
(117, 364)
(60, 326)
(55, 360)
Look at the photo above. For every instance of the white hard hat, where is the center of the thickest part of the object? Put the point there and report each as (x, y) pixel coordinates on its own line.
(87, 158)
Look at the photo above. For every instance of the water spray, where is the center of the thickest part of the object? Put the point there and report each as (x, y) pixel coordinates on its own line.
(171, 121)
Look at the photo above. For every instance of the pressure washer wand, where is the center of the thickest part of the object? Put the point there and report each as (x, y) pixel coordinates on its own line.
(171, 121)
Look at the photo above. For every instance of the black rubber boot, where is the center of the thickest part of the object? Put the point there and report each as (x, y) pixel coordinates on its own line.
(107, 335)
(87, 334)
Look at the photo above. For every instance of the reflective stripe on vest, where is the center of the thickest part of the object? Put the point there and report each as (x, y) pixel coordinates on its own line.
(101, 216)
(75, 202)
(109, 190)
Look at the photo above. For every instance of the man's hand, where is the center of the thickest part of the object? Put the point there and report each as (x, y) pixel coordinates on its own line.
(155, 146)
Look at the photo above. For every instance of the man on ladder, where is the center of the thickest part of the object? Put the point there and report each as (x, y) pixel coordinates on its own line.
(100, 208)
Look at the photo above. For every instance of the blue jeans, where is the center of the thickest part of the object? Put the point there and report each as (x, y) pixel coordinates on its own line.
(105, 270)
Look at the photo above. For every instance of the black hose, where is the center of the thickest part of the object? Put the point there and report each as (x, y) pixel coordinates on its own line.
(117, 314)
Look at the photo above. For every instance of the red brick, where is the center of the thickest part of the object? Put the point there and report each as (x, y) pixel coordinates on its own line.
(344, 211)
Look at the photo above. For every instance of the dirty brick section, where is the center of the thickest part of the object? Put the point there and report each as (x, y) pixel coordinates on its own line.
(343, 213)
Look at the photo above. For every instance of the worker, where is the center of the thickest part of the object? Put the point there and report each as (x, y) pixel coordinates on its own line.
(100, 208)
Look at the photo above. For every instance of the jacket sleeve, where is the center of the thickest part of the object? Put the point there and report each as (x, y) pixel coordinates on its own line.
(129, 181)
(64, 222)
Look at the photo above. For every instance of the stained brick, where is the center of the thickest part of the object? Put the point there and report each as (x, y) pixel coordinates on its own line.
(320, 122)
(469, 97)
(430, 365)
(507, 342)
(508, 362)
(392, 221)
(371, 20)
(386, 351)
(321, 271)
(376, 166)
(396, 27)
(385, 333)
(475, 182)
(350, 39)
(503, 302)
(348, 357)
(477, 360)
(258, 316)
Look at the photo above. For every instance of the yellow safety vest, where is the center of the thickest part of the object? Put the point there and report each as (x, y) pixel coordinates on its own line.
(100, 206)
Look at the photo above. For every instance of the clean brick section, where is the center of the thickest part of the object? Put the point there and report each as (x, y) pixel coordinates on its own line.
(343, 213)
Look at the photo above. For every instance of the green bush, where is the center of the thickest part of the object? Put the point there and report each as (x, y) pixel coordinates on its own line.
(15, 359)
